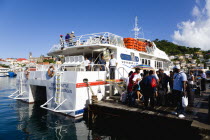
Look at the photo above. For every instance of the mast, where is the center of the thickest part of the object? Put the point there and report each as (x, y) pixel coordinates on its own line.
(137, 29)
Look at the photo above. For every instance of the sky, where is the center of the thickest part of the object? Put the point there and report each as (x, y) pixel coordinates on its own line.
(35, 25)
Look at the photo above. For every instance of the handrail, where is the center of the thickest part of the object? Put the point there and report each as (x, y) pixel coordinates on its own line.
(123, 72)
(91, 39)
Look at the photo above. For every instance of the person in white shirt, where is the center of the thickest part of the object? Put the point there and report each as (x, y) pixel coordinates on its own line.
(92, 65)
(112, 66)
(87, 64)
(61, 42)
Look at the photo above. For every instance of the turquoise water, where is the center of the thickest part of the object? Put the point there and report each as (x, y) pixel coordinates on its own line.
(20, 121)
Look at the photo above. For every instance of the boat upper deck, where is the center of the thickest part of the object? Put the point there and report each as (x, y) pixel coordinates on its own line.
(85, 42)
(99, 42)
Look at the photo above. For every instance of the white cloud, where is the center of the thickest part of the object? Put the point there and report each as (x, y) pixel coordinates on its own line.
(196, 12)
(195, 33)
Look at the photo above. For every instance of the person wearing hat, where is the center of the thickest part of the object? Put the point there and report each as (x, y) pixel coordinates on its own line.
(179, 90)
(72, 36)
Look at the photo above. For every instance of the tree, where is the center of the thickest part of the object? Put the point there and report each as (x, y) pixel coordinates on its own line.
(49, 60)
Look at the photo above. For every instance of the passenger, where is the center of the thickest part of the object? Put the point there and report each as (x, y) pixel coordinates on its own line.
(61, 42)
(203, 81)
(127, 79)
(92, 64)
(170, 95)
(102, 63)
(137, 78)
(72, 36)
(142, 82)
(107, 40)
(150, 83)
(67, 37)
(146, 43)
(133, 86)
(50, 71)
(26, 72)
(171, 78)
(87, 64)
(162, 87)
(112, 66)
(179, 90)
(190, 85)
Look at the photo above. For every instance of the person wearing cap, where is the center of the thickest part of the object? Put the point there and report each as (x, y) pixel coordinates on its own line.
(179, 90)
(72, 36)
(61, 42)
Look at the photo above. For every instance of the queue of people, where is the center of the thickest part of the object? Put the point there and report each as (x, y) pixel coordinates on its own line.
(151, 89)
(69, 39)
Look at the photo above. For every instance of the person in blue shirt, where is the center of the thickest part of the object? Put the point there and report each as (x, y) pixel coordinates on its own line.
(103, 63)
(149, 91)
(67, 37)
(179, 90)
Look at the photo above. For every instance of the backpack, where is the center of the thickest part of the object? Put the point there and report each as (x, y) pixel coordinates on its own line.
(153, 82)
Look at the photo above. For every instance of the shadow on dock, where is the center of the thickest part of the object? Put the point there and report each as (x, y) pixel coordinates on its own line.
(125, 123)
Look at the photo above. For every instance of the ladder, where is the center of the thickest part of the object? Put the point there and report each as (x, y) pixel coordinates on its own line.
(20, 89)
(58, 95)
(58, 87)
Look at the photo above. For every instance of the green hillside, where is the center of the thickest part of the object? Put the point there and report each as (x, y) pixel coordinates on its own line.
(173, 49)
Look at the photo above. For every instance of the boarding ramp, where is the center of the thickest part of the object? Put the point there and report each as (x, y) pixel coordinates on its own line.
(118, 85)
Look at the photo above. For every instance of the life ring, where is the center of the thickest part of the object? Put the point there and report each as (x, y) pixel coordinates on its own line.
(50, 71)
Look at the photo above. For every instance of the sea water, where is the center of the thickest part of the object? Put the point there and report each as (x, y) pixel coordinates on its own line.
(20, 121)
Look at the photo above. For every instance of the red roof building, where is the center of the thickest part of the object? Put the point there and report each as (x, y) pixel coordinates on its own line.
(21, 59)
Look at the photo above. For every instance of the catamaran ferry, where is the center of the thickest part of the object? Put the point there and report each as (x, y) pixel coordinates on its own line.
(68, 88)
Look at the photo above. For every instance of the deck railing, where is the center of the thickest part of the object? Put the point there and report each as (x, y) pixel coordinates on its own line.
(91, 39)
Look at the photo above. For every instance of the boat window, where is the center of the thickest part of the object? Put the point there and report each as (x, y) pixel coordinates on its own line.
(148, 62)
(145, 61)
(142, 61)
(155, 64)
